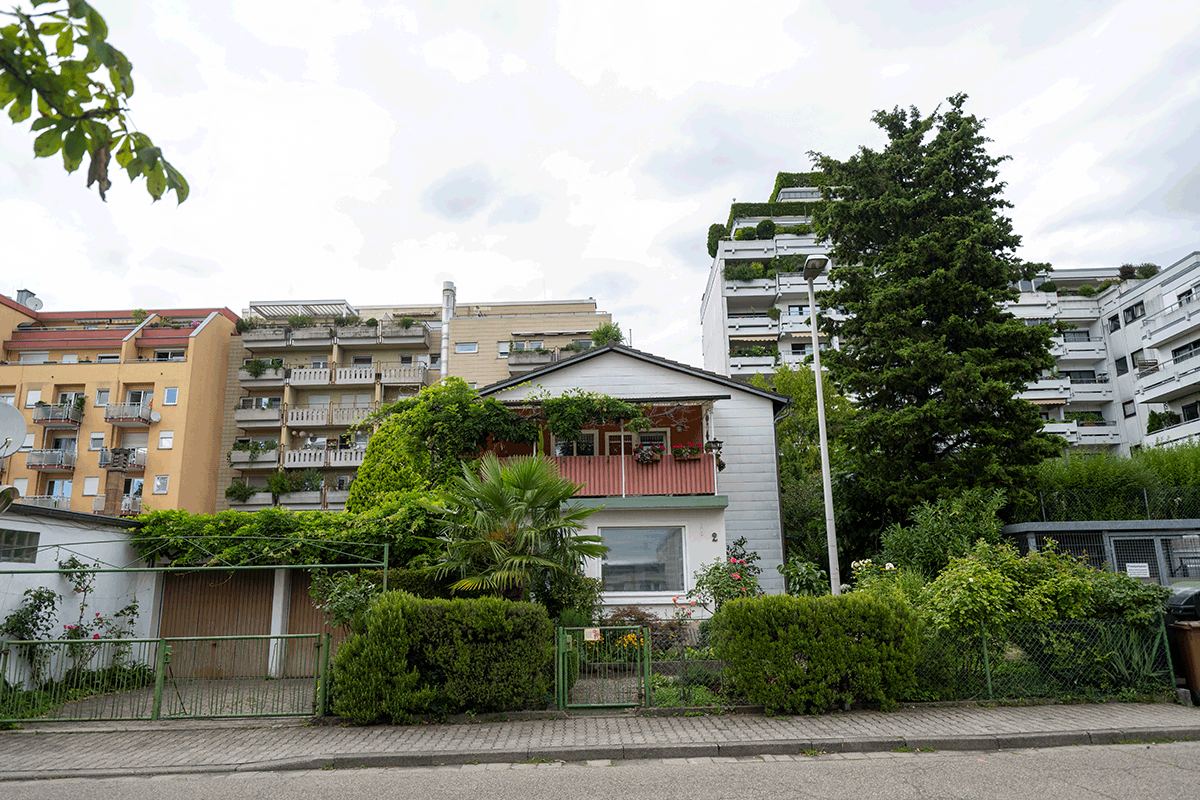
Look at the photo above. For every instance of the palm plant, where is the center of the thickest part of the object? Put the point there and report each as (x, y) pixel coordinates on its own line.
(510, 523)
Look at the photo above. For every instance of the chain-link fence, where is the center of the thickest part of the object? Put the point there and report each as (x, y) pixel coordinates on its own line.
(1064, 659)
(1103, 503)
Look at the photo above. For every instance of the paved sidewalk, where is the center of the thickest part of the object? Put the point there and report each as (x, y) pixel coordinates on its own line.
(75, 749)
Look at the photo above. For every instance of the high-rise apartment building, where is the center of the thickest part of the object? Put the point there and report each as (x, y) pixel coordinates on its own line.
(304, 374)
(124, 408)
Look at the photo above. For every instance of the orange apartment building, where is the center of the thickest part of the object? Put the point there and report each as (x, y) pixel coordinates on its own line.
(124, 408)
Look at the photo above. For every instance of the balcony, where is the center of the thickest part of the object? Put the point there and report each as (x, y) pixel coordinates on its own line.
(335, 499)
(762, 289)
(1090, 350)
(520, 361)
(305, 459)
(745, 366)
(250, 459)
(357, 335)
(406, 375)
(316, 336)
(354, 376)
(51, 460)
(752, 325)
(1095, 390)
(309, 377)
(271, 377)
(351, 457)
(1183, 432)
(1103, 434)
(1067, 430)
(747, 248)
(47, 501)
(259, 500)
(1169, 380)
(1174, 320)
(1048, 391)
(795, 324)
(127, 415)
(131, 505)
(258, 417)
(415, 335)
(135, 462)
(619, 476)
(267, 337)
(57, 416)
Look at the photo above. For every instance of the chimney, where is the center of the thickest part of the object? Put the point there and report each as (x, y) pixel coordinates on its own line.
(449, 299)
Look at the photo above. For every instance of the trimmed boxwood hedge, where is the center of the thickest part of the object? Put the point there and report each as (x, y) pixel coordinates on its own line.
(807, 655)
(415, 658)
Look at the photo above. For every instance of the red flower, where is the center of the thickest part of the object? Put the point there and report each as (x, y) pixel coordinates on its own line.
(736, 577)
(95, 636)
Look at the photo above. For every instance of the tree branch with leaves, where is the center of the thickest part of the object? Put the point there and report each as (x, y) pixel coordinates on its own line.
(58, 62)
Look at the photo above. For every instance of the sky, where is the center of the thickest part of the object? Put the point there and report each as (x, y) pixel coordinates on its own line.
(369, 150)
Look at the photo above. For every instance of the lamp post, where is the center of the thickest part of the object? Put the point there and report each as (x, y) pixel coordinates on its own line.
(813, 266)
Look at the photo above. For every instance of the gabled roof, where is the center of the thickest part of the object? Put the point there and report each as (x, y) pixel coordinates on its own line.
(780, 401)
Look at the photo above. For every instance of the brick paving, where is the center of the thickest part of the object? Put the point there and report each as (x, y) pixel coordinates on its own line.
(60, 749)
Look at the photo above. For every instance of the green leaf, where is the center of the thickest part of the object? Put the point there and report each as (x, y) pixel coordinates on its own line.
(22, 106)
(176, 181)
(47, 144)
(74, 147)
(149, 155)
(156, 182)
(65, 45)
(42, 122)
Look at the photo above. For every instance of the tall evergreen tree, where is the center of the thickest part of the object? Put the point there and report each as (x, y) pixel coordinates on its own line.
(924, 259)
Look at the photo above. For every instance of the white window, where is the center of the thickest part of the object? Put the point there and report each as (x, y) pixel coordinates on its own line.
(360, 361)
(68, 398)
(34, 357)
(583, 344)
(72, 359)
(160, 484)
(91, 486)
(102, 397)
(502, 349)
(466, 347)
(584, 445)
(108, 358)
(28, 445)
(139, 397)
(520, 347)
(435, 359)
(21, 485)
(19, 546)
(8, 398)
(1129, 409)
(643, 559)
(658, 437)
(320, 362)
(32, 397)
(170, 395)
(168, 355)
(96, 441)
(406, 361)
(166, 440)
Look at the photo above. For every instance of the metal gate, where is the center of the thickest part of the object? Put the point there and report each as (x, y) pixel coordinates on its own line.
(602, 667)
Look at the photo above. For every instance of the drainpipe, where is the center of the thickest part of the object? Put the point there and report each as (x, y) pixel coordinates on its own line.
(448, 304)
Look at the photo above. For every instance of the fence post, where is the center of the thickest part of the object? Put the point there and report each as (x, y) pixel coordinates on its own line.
(1146, 500)
(1042, 500)
(323, 686)
(160, 673)
(558, 667)
(647, 667)
(987, 666)
(386, 548)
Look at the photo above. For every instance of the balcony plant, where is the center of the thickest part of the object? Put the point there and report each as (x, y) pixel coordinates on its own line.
(685, 451)
(406, 322)
(773, 313)
(648, 453)
(240, 491)
(258, 366)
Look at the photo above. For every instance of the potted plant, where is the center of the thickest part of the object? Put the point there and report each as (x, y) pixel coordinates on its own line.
(688, 451)
(648, 453)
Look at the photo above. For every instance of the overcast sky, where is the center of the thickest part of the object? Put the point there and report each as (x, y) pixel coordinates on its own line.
(368, 150)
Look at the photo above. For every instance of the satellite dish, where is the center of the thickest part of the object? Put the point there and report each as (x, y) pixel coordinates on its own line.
(12, 430)
(155, 416)
(34, 304)
(8, 496)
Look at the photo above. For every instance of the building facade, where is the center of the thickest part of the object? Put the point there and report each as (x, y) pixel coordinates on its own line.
(304, 376)
(124, 408)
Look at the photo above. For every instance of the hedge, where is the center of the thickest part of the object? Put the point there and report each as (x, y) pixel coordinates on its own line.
(415, 658)
(807, 655)
(792, 208)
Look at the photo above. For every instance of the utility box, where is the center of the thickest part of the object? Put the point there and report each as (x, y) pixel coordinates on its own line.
(1183, 636)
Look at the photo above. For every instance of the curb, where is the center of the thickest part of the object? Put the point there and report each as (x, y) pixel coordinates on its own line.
(814, 748)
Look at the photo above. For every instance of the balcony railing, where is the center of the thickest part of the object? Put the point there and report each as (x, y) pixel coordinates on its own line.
(394, 333)
(351, 457)
(263, 459)
(269, 377)
(127, 414)
(51, 460)
(618, 476)
(404, 375)
(309, 377)
(136, 460)
(47, 501)
(258, 417)
(1161, 381)
(354, 375)
(58, 416)
(131, 505)
(1174, 320)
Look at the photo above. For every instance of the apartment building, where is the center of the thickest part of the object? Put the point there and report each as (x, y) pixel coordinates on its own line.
(754, 313)
(124, 408)
(304, 374)
(1128, 371)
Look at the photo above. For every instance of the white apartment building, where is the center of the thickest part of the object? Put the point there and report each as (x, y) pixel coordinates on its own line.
(1130, 350)
(1130, 347)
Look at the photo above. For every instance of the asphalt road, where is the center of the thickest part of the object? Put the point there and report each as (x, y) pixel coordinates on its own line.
(1128, 771)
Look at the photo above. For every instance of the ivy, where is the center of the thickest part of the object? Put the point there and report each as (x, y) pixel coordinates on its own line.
(569, 414)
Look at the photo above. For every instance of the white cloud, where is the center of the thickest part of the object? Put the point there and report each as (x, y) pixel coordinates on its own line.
(513, 64)
(462, 54)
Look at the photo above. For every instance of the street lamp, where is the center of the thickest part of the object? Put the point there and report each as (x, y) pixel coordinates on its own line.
(813, 266)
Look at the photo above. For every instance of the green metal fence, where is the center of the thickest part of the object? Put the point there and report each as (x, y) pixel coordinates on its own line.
(209, 677)
(603, 667)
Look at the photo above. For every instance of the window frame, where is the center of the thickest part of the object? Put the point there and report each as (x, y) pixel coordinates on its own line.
(107, 395)
(166, 484)
(606, 532)
(92, 440)
(1129, 408)
(170, 396)
(466, 348)
(169, 437)
(19, 547)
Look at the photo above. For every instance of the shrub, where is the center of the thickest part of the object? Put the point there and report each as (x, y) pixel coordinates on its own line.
(803, 578)
(774, 313)
(607, 332)
(1087, 290)
(944, 530)
(743, 271)
(765, 229)
(1157, 420)
(301, 321)
(1048, 286)
(716, 232)
(804, 655)
(1127, 271)
(240, 491)
(745, 234)
(406, 322)
(413, 657)
(1147, 270)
